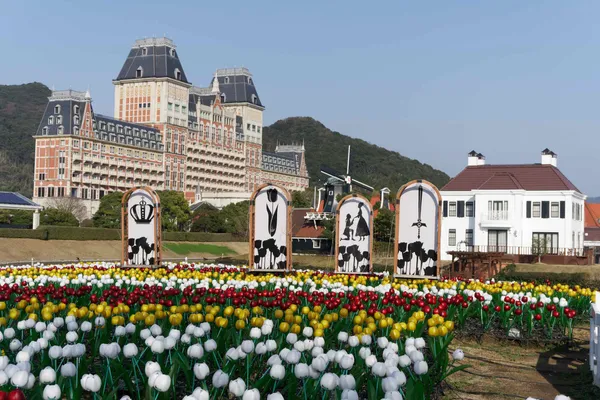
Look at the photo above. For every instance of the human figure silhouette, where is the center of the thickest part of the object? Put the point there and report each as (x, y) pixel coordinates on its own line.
(362, 228)
(348, 232)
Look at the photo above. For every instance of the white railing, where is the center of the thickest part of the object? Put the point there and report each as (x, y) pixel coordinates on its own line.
(495, 216)
(595, 340)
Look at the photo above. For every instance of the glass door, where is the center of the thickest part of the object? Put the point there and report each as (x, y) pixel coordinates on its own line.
(497, 240)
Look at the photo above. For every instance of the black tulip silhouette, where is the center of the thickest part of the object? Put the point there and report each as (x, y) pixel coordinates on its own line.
(272, 214)
(432, 255)
(257, 244)
(402, 247)
(406, 256)
(283, 250)
(281, 264)
(151, 261)
(262, 252)
(130, 255)
(341, 263)
(131, 241)
(272, 195)
(366, 255)
(276, 252)
(342, 249)
(400, 264)
(417, 246)
(424, 256)
(346, 256)
(358, 256)
(256, 259)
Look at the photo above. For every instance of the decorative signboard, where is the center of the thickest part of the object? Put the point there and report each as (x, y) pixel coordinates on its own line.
(270, 229)
(418, 228)
(354, 235)
(141, 227)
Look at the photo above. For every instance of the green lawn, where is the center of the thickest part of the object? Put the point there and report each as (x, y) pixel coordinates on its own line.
(187, 248)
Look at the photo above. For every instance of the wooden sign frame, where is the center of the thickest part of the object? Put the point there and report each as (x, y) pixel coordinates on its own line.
(251, 226)
(397, 229)
(125, 224)
(338, 230)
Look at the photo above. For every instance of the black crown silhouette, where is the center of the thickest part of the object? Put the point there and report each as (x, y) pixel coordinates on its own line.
(142, 213)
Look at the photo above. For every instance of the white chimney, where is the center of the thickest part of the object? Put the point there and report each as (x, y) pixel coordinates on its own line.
(549, 157)
(474, 158)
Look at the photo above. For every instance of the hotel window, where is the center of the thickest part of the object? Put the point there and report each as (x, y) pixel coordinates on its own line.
(554, 210)
(452, 237)
(452, 211)
(170, 106)
(45, 130)
(76, 120)
(75, 109)
(51, 120)
(144, 51)
(40, 192)
(60, 130)
(59, 119)
(139, 72)
(176, 107)
(76, 131)
(57, 109)
(536, 209)
(544, 239)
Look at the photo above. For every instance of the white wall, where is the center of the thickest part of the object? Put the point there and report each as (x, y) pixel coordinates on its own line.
(520, 228)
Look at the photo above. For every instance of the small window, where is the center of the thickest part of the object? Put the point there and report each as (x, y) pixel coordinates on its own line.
(469, 237)
(75, 109)
(452, 237)
(59, 119)
(60, 130)
(76, 131)
(139, 72)
(172, 52)
(51, 120)
(57, 109)
(76, 120)
(452, 210)
(469, 209)
(536, 209)
(45, 130)
(254, 99)
(144, 51)
(223, 97)
(177, 74)
(316, 243)
(554, 210)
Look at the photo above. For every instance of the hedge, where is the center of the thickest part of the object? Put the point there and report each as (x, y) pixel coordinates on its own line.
(76, 233)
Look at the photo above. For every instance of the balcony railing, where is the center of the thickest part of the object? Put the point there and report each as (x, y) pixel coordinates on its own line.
(495, 216)
(519, 250)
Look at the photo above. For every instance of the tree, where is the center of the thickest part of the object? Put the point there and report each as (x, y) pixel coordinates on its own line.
(301, 199)
(57, 217)
(235, 218)
(383, 229)
(539, 248)
(70, 205)
(109, 211)
(207, 218)
(175, 210)
(16, 217)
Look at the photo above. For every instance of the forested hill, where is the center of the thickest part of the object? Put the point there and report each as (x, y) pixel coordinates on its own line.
(21, 109)
(371, 164)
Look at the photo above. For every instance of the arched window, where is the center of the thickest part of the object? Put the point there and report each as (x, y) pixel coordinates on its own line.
(45, 130)
(56, 109)
(50, 120)
(144, 51)
(59, 119)
(139, 72)
(253, 97)
(223, 97)
(75, 109)
(60, 130)
(177, 74)
(76, 120)
(226, 79)
(76, 131)
(250, 80)
(172, 52)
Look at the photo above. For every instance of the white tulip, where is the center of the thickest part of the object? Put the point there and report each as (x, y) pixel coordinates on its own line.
(343, 337)
(86, 326)
(10, 370)
(266, 329)
(421, 368)
(370, 360)
(247, 346)
(130, 350)
(419, 343)
(9, 333)
(23, 356)
(416, 356)
(119, 331)
(30, 381)
(47, 375)
(301, 370)
(395, 395)
(220, 379)
(409, 342)
(237, 387)
(200, 394)
(210, 345)
(195, 351)
(277, 372)
(72, 326)
(255, 333)
(68, 370)
(293, 357)
(15, 345)
(347, 382)
(404, 361)
(319, 341)
(51, 392)
(299, 346)
(349, 395)
(378, 369)
(158, 347)
(152, 378)
(19, 379)
(562, 397)
(389, 384)
(382, 342)
(320, 363)
(307, 331)
(72, 337)
(353, 341)
(274, 360)
(364, 352)
(271, 345)
(251, 394)
(155, 330)
(151, 367)
(347, 361)
(400, 377)
(316, 351)
(458, 354)
(130, 328)
(162, 383)
(291, 338)
(175, 334)
(366, 340)
(3, 362)
(40, 327)
(201, 371)
(275, 396)
(329, 381)
(145, 334)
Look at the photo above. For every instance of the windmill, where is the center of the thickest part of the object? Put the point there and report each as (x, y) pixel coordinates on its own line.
(337, 184)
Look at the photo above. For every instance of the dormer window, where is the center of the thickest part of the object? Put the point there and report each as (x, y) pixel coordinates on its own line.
(45, 130)
(57, 109)
(76, 120)
(59, 119)
(250, 80)
(76, 109)
(177, 74)
(226, 80)
(60, 130)
(139, 72)
(222, 97)
(51, 120)
(253, 98)
(172, 52)
(144, 51)
(76, 131)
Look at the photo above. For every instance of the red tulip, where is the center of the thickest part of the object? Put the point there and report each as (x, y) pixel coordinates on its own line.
(538, 317)
(16, 394)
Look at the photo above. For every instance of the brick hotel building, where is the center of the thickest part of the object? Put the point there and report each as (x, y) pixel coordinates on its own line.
(165, 133)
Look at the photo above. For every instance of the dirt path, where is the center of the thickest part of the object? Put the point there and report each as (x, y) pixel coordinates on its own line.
(502, 370)
(23, 250)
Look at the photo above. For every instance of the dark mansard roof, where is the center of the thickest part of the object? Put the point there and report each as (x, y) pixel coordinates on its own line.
(156, 57)
(237, 85)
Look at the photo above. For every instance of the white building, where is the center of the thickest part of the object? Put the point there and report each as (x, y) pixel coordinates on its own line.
(512, 208)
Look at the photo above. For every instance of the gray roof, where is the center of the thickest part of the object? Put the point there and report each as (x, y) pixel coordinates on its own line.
(287, 163)
(105, 128)
(156, 57)
(237, 85)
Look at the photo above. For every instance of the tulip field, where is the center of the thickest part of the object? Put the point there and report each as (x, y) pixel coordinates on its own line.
(99, 331)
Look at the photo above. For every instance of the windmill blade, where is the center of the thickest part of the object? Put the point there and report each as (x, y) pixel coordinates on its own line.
(362, 185)
(332, 173)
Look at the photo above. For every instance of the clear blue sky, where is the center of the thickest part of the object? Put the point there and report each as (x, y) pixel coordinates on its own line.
(432, 80)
